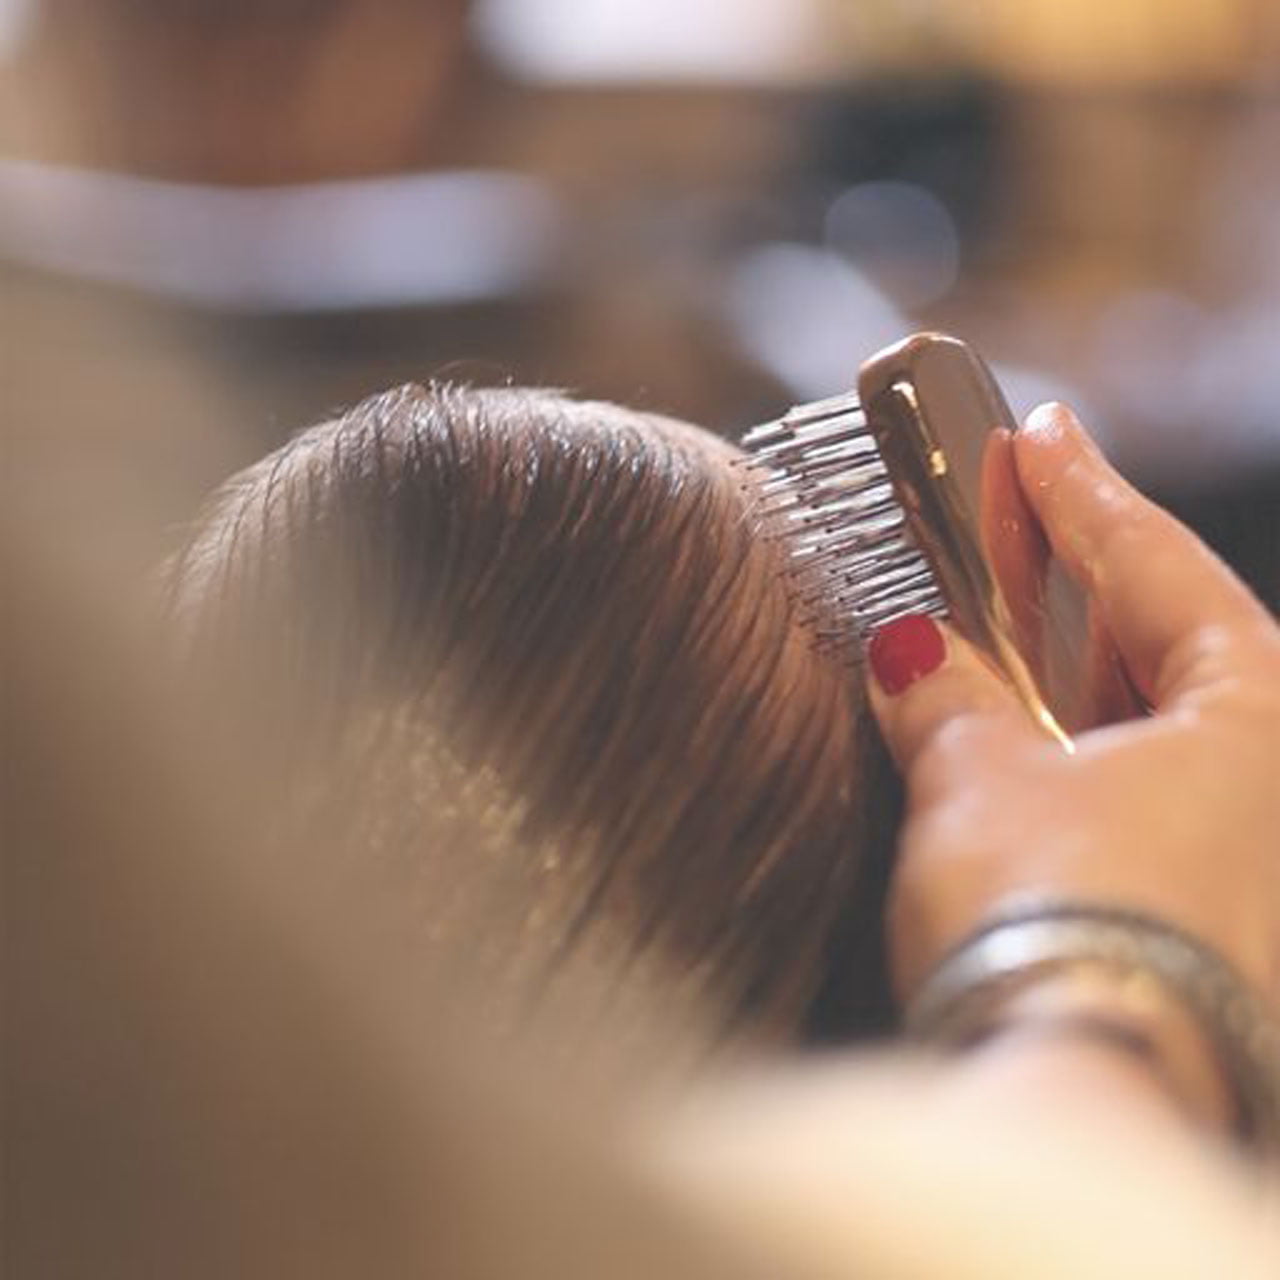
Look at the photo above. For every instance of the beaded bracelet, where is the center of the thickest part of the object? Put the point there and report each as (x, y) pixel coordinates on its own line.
(1013, 952)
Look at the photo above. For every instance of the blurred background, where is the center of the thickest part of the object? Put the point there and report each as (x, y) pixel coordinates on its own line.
(223, 219)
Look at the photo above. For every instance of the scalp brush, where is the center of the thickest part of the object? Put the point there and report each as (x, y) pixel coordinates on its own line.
(901, 498)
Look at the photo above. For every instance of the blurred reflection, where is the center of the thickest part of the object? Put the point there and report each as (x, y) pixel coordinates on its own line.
(425, 240)
(662, 40)
(1019, 556)
(809, 317)
(901, 236)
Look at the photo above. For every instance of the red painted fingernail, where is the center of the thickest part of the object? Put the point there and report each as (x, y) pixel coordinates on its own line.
(902, 652)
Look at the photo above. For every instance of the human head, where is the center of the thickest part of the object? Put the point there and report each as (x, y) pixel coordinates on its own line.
(534, 663)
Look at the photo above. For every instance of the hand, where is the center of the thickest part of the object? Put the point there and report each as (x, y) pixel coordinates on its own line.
(1176, 814)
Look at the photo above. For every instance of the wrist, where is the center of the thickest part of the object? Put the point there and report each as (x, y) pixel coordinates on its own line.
(1115, 1031)
(1158, 993)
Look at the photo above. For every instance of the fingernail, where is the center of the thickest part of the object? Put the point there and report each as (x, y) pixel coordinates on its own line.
(1052, 418)
(902, 652)
(1055, 420)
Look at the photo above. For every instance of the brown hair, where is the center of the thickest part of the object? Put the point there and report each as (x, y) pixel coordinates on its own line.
(533, 662)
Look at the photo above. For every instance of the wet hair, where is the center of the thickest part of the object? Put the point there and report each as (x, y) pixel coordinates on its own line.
(532, 663)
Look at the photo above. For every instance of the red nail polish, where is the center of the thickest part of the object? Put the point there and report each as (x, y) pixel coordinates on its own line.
(903, 651)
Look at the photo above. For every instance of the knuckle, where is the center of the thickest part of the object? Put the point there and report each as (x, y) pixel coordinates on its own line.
(1131, 526)
(956, 741)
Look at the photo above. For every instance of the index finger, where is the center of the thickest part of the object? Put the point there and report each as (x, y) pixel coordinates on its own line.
(1178, 615)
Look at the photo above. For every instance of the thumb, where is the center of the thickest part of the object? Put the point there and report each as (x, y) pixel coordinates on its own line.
(926, 679)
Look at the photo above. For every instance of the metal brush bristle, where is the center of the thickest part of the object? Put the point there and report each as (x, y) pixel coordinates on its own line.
(820, 485)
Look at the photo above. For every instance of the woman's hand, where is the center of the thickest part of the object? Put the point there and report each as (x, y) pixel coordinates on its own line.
(1176, 815)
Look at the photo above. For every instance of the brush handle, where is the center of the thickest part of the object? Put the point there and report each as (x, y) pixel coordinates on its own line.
(945, 434)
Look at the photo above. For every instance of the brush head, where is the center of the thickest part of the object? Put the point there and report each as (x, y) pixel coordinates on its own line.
(821, 488)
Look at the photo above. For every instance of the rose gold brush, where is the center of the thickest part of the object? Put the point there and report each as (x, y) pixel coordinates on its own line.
(902, 498)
